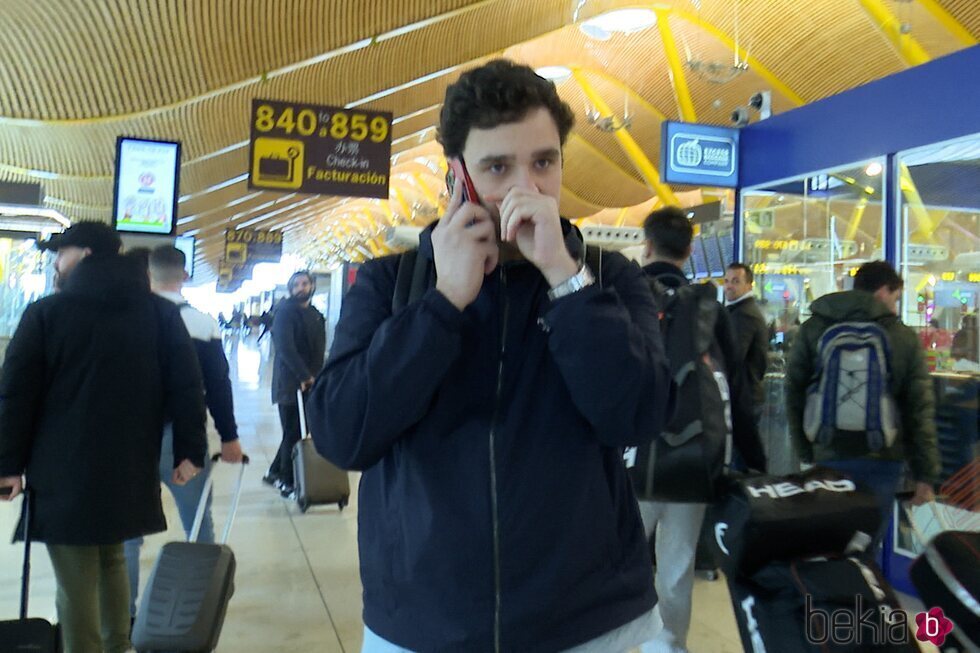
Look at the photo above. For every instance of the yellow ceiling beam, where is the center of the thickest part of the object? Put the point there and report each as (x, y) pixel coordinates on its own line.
(908, 48)
(756, 65)
(856, 216)
(947, 20)
(917, 207)
(628, 90)
(678, 78)
(598, 153)
(621, 218)
(631, 148)
(429, 195)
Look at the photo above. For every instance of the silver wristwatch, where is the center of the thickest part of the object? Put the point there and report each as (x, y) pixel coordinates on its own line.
(574, 283)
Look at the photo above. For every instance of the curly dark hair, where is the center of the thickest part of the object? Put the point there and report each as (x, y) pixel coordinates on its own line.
(500, 92)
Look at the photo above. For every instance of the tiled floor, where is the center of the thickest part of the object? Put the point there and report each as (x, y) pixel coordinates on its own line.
(297, 585)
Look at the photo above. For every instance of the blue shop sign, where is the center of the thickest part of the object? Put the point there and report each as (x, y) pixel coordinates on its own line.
(699, 155)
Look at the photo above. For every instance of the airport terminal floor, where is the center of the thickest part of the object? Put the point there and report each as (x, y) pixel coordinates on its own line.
(297, 587)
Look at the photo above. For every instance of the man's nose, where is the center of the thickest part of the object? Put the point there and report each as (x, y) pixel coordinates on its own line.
(524, 179)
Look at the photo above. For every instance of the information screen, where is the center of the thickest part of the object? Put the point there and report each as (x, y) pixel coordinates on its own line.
(698, 260)
(187, 244)
(146, 186)
(711, 249)
(726, 241)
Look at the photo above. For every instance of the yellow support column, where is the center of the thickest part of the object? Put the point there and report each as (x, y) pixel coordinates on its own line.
(910, 50)
(633, 151)
(621, 218)
(677, 77)
(923, 220)
(952, 25)
(856, 217)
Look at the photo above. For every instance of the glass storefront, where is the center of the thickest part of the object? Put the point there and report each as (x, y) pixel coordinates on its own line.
(25, 275)
(805, 237)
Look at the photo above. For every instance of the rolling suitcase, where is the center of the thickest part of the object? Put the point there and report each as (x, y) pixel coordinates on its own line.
(819, 606)
(22, 635)
(947, 576)
(317, 480)
(186, 597)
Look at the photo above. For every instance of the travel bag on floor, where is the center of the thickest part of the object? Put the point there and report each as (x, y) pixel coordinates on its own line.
(947, 576)
(34, 635)
(317, 480)
(819, 606)
(761, 519)
(186, 597)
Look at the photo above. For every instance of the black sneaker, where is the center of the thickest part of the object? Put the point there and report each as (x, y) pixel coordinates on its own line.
(287, 492)
(271, 479)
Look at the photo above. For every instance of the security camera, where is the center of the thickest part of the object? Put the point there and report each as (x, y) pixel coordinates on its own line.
(740, 117)
(762, 102)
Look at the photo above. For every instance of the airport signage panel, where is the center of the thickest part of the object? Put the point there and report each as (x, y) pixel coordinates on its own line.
(146, 186)
(306, 148)
(699, 155)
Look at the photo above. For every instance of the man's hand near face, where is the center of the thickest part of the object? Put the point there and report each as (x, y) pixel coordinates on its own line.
(531, 221)
(465, 250)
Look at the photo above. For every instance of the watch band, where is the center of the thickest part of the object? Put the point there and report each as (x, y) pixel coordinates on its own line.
(573, 284)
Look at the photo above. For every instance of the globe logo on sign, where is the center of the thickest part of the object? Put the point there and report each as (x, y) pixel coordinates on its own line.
(690, 154)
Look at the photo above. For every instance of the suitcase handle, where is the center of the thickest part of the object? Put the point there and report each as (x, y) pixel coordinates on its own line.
(301, 406)
(25, 579)
(206, 493)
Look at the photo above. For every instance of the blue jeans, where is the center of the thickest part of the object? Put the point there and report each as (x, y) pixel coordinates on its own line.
(186, 497)
(881, 477)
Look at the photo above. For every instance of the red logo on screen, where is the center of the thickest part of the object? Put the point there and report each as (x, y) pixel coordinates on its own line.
(147, 179)
(933, 626)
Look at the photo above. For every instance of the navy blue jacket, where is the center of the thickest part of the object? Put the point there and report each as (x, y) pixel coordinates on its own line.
(494, 501)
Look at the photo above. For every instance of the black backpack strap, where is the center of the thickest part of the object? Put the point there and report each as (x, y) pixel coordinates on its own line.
(593, 258)
(403, 280)
(411, 280)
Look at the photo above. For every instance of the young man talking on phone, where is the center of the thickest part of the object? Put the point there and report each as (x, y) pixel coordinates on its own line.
(489, 415)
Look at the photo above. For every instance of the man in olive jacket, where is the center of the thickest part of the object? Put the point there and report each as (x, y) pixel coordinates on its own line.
(877, 288)
(90, 377)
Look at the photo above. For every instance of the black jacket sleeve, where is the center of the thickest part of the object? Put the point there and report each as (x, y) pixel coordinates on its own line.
(745, 430)
(606, 343)
(383, 370)
(21, 392)
(183, 388)
(217, 387)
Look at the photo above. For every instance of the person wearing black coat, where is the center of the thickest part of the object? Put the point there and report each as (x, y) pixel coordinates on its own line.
(751, 332)
(90, 377)
(300, 339)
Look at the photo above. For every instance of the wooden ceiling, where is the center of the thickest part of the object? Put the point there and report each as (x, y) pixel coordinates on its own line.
(75, 75)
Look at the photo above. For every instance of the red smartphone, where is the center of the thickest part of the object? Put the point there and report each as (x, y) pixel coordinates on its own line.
(457, 170)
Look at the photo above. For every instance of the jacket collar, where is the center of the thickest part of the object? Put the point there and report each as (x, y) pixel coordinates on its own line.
(109, 278)
(666, 273)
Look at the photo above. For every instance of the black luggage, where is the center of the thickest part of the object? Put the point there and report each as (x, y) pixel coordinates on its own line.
(22, 635)
(761, 519)
(184, 605)
(819, 606)
(317, 480)
(947, 576)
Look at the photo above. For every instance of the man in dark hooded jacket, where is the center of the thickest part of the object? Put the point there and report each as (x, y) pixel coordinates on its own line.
(90, 377)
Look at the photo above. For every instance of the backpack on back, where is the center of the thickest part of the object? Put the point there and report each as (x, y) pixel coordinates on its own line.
(686, 460)
(849, 393)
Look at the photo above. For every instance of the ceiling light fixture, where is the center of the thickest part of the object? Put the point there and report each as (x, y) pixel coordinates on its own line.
(873, 170)
(556, 74)
(622, 21)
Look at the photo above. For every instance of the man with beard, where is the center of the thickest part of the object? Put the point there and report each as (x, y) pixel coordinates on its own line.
(90, 377)
(300, 340)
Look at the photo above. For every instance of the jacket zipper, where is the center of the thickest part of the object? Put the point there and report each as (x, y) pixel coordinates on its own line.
(493, 462)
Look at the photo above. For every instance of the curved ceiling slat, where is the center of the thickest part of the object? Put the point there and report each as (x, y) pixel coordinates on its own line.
(115, 67)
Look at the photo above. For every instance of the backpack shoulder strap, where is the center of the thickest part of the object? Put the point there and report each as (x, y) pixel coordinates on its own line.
(403, 280)
(593, 258)
(411, 279)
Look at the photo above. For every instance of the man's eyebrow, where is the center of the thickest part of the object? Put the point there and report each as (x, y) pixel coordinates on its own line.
(549, 153)
(497, 158)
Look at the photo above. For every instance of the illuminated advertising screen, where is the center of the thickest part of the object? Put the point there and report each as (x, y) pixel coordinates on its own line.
(186, 244)
(146, 186)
